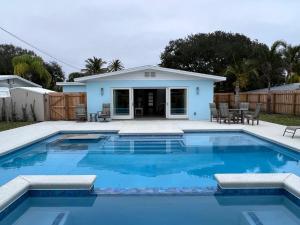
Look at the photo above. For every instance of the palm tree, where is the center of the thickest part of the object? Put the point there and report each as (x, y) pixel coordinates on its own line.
(292, 59)
(94, 65)
(271, 64)
(115, 65)
(241, 70)
(31, 68)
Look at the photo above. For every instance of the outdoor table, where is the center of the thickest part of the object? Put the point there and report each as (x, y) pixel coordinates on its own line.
(239, 111)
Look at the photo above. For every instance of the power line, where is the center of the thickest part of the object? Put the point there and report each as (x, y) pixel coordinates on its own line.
(38, 49)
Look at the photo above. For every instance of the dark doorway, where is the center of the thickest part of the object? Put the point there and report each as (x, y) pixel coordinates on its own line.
(149, 103)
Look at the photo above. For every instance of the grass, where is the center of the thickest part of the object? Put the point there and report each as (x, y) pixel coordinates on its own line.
(12, 125)
(287, 120)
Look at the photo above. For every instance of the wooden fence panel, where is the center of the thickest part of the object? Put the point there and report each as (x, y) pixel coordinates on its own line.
(281, 102)
(62, 105)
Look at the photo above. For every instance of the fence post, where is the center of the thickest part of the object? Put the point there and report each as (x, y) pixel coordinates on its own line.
(228, 99)
(216, 99)
(274, 103)
(66, 106)
(294, 103)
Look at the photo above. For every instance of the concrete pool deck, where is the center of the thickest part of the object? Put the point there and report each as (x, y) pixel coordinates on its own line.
(22, 136)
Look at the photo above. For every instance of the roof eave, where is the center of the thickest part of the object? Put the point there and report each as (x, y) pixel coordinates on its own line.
(70, 84)
(175, 71)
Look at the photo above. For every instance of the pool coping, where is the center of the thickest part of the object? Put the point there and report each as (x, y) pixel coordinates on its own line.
(254, 181)
(62, 131)
(11, 191)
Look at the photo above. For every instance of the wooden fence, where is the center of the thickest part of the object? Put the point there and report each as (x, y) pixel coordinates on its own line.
(62, 105)
(281, 102)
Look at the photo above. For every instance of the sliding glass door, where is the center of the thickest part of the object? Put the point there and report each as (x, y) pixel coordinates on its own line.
(122, 103)
(177, 103)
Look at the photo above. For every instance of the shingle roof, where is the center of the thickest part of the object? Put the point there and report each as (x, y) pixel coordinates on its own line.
(285, 87)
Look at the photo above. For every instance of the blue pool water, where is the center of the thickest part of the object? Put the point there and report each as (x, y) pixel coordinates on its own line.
(159, 210)
(186, 161)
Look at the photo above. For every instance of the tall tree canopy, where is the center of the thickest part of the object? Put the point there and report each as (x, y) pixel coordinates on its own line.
(212, 53)
(32, 68)
(94, 65)
(74, 75)
(7, 53)
(115, 65)
(242, 71)
(57, 74)
(291, 56)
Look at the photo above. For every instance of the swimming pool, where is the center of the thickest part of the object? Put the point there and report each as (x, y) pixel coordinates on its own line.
(144, 210)
(127, 162)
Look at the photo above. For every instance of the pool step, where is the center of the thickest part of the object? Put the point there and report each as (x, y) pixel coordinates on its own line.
(269, 217)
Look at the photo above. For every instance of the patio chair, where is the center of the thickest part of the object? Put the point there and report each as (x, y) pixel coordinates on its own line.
(292, 130)
(253, 115)
(244, 107)
(225, 114)
(104, 115)
(214, 114)
(80, 112)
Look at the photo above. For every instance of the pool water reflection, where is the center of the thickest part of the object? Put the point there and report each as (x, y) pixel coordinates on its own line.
(184, 161)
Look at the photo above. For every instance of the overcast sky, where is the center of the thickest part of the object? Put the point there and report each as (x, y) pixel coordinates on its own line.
(136, 31)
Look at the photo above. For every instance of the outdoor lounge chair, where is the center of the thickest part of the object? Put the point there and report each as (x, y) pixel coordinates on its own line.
(104, 115)
(80, 112)
(225, 114)
(253, 115)
(291, 129)
(214, 114)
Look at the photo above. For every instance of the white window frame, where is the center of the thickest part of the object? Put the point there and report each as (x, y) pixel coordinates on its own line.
(168, 104)
(130, 116)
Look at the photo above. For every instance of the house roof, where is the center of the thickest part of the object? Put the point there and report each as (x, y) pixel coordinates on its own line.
(11, 77)
(36, 89)
(69, 84)
(285, 87)
(155, 68)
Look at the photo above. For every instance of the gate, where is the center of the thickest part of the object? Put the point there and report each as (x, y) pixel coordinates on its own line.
(62, 105)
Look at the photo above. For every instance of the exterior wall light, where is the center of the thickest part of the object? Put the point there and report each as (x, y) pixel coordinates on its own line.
(102, 91)
(197, 90)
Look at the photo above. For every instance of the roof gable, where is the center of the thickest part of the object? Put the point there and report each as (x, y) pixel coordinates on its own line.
(154, 69)
(21, 81)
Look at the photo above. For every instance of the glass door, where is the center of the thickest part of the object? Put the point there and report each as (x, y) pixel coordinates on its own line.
(177, 103)
(122, 103)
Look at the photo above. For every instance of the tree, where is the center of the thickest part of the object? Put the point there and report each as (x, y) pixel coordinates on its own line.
(74, 75)
(292, 59)
(210, 53)
(31, 68)
(56, 73)
(271, 67)
(115, 65)
(7, 53)
(295, 78)
(94, 65)
(242, 71)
